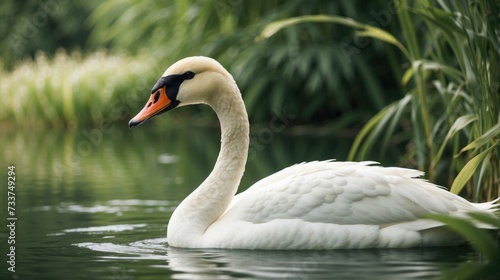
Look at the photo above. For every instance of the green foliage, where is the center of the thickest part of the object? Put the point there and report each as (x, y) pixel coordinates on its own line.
(313, 70)
(32, 26)
(457, 80)
(71, 90)
(481, 240)
(363, 29)
(452, 89)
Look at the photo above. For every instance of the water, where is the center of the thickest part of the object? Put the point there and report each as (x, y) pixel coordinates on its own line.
(94, 204)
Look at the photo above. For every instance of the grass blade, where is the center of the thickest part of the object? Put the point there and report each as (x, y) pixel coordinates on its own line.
(483, 139)
(363, 29)
(375, 126)
(274, 27)
(384, 36)
(478, 238)
(458, 125)
(468, 170)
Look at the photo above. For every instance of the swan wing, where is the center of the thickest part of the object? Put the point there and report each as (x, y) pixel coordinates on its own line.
(345, 193)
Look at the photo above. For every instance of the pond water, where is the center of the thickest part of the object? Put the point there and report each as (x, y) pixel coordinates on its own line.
(94, 204)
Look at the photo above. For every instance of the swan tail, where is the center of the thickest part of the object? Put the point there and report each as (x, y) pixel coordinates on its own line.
(491, 206)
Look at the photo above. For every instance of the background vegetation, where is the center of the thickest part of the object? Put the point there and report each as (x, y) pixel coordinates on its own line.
(452, 99)
(31, 26)
(426, 70)
(288, 70)
(70, 90)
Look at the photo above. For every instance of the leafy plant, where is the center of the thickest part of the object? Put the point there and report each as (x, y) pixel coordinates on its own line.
(311, 70)
(481, 241)
(33, 26)
(452, 89)
(71, 89)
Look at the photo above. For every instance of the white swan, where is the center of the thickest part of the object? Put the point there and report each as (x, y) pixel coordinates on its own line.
(315, 205)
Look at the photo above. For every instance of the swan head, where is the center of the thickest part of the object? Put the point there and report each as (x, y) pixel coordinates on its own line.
(192, 80)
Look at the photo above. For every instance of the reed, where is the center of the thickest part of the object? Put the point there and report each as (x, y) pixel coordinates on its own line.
(451, 92)
(72, 89)
(484, 243)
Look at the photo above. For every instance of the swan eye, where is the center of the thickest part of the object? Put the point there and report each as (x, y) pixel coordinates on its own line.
(188, 75)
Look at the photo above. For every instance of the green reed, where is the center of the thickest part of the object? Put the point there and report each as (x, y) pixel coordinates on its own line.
(72, 89)
(482, 241)
(451, 107)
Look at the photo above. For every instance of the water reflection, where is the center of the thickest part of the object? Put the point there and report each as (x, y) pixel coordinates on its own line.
(340, 264)
(145, 163)
(257, 264)
(97, 207)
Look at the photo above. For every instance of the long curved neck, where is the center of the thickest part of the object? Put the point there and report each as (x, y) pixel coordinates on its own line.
(211, 199)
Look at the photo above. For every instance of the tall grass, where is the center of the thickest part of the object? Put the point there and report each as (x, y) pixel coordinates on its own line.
(452, 89)
(73, 89)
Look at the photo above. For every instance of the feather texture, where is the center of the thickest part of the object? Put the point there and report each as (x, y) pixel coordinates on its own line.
(332, 204)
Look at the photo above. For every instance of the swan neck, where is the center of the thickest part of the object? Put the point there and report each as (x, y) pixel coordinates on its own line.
(234, 141)
(212, 198)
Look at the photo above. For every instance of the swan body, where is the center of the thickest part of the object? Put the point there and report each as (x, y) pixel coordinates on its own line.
(314, 205)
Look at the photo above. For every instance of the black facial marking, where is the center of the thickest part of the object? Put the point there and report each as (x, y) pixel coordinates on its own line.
(157, 96)
(188, 75)
(172, 84)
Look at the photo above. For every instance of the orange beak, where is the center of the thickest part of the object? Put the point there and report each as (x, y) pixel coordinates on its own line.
(157, 103)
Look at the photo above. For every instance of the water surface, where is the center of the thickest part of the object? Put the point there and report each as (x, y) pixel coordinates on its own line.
(94, 204)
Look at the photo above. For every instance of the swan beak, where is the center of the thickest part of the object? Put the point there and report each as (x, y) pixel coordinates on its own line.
(158, 103)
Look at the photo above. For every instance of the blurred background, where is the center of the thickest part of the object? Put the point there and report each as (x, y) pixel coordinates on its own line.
(90, 65)
(405, 83)
(350, 77)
